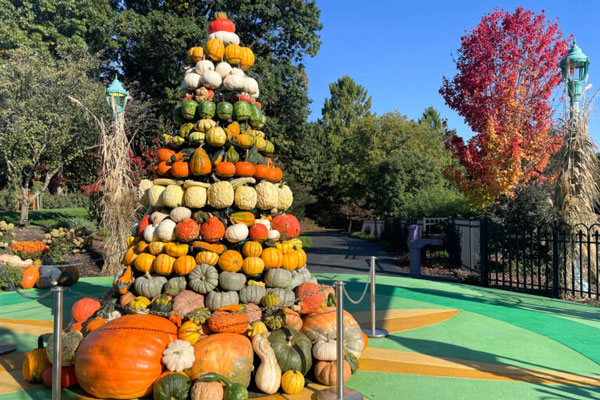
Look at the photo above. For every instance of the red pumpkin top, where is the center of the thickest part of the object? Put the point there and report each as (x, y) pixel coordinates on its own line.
(143, 224)
(258, 232)
(212, 230)
(187, 230)
(287, 225)
(221, 23)
(84, 308)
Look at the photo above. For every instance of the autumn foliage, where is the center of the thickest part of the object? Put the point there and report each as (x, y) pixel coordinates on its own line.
(508, 67)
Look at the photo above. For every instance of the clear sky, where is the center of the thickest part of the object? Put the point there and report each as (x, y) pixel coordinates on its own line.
(399, 50)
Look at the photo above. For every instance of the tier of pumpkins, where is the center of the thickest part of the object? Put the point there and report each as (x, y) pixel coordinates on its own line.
(214, 273)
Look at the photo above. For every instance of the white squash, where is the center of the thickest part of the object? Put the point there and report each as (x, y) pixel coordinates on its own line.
(237, 71)
(195, 197)
(150, 234)
(274, 235)
(251, 86)
(285, 198)
(155, 196)
(233, 82)
(178, 355)
(166, 230)
(268, 374)
(192, 81)
(223, 69)
(325, 350)
(203, 66)
(179, 214)
(211, 79)
(225, 37)
(236, 233)
(157, 217)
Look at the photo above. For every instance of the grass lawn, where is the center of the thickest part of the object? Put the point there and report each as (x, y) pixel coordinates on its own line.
(44, 218)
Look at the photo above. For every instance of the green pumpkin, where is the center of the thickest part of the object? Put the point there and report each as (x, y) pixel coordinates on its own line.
(172, 387)
(188, 108)
(269, 148)
(186, 129)
(241, 110)
(216, 300)
(292, 349)
(178, 116)
(352, 361)
(206, 109)
(286, 296)
(232, 390)
(200, 216)
(278, 278)
(274, 318)
(149, 286)
(255, 116)
(232, 155)
(199, 315)
(224, 110)
(107, 308)
(196, 138)
(231, 280)
(162, 304)
(203, 279)
(270, 300)
(252, 294)
(175, 286)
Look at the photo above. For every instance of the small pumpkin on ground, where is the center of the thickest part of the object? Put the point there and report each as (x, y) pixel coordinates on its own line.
(171, 386)
(326, 372)
(292, 382)
(35, 363)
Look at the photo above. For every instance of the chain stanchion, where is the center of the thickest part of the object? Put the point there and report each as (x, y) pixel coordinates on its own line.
(58, 321)
(339, 392)
(373, 332)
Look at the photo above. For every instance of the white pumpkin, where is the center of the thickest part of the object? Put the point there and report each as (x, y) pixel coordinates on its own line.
(203, 66)
(274, 235)
(157, 217)
(265, 222)
(179, 214)
(236, 233)
(178, 355)
(233, 82)
(113, 315)
(211, 79)
(251, 86)
(325, 350)
(256, 94)
(223, 69)
(225, 37)
(166, 230)
(150, 234)
(188, 70)
(192, 81)
(237, 71)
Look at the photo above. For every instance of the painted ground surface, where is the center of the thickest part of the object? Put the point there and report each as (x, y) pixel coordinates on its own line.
(447, 341)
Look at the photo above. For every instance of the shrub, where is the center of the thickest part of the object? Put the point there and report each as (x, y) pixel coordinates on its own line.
(8, 202)
(14, 275)
(66, 200)
(77, 223)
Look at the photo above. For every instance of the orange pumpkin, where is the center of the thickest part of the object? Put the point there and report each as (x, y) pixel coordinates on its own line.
(84, 308)
(326, 372)
(252, 249)
(275, 175)
(34, 365)
(233, 54)
(144, 261)
(290, 261)
(292, 319)
(184, 265)
(225, 169)
(261, 172)
(246, 58)
(272, 257)
(165, 154)
(244, 169)
(95, 324)
(366, 340)
(228, 320)
(212, 230)
(195, 54)
(215, 248)
(123, 280)
(30, 277)
(200, 163)
(231, 261)
(180, 169)
(187, 230)
(163, 168)
(163, 264)
(214, 49)
(227, 354)
(122, 359)
(207, 257)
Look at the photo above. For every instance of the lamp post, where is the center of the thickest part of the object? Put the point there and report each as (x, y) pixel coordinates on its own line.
(574, 69)
(116, 97)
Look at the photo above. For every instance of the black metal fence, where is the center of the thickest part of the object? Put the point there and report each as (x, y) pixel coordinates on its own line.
(551, 260)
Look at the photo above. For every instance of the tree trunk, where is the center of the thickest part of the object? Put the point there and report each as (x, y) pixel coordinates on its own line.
(24, 210)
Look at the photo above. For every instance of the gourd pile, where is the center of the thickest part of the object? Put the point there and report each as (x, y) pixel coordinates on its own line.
(214, 271)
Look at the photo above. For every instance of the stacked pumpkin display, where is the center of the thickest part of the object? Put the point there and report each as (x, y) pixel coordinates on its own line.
(214, 271)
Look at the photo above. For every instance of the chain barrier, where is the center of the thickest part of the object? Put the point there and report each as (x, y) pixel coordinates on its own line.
(362, 296)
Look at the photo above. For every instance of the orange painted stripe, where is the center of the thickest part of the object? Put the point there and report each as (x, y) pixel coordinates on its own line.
(384, 360)
(404, 320)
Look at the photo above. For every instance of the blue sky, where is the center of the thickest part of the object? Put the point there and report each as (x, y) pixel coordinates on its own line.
(399, 50)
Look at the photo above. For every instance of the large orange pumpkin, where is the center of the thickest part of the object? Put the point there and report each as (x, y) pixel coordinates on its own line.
(30, 277)
(227, 354)
(84, 308)
(122, 359)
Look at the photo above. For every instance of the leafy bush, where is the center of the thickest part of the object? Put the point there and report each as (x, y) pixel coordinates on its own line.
(7, 234)
(14, 274)
(73, 238)
(76, 223)
(66, 200)
(7, 200)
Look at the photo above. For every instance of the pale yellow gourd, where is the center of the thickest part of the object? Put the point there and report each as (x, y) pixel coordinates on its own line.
(268, 374)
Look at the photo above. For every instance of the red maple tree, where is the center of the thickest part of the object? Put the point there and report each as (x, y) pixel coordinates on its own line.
(508, 67)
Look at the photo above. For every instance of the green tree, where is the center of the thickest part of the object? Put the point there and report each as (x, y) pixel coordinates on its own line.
(40, 130)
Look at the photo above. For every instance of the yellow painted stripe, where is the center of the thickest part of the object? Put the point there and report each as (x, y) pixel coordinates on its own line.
(404, 320)
(27, 327)
(13, 382)
(384, 360)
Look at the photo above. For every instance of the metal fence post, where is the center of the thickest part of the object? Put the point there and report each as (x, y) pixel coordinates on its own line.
(483, 251)
(57, 339)
(339, 392)
(373, 331)
(555, 260)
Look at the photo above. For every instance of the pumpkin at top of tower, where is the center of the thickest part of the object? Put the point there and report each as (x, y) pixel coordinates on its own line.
(221, 23)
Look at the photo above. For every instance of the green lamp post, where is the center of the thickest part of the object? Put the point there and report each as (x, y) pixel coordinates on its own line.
(116, 97)
(574, 71)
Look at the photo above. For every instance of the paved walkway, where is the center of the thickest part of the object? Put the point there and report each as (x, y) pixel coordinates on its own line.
(332, 252)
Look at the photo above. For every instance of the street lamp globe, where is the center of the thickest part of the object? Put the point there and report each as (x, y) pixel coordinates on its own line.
(574, 71)
(116, 96)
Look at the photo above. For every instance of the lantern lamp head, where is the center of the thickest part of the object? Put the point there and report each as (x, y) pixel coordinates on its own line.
(574, 69)
(116, 96)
